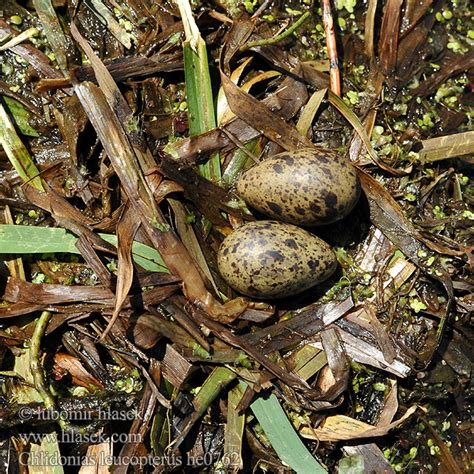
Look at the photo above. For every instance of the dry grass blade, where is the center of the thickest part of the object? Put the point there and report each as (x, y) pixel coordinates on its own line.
(104, 14)
(174, 254)
(450, 146)
(388, 43)
(369, 34)
(48, 294)
(372, 456)
(339, 427)
(310, 110)
(414, 12)
(359, 128)
(36, 58)
(287, 100)
(279, 37)
(370, 354)
(188, 237)
(388, 217)
(305, 324)
(453, 65)
(126, 230)
(118, 104)
(261, 118)
(290, 379)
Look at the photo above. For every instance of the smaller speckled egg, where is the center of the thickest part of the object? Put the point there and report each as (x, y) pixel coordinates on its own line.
(270, 259)
(307, 187)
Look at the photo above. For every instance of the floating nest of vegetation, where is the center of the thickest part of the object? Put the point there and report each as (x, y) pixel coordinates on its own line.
(236, 236)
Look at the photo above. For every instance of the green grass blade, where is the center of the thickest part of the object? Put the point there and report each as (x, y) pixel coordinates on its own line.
(146, 257)
(200, 102)
(352, 118)
(17, 153)
(18, 239)
(21, 116)
(59, 42)
(234, 430)
(201, 112)
(198, 88)
(283, 437)
(219, 378)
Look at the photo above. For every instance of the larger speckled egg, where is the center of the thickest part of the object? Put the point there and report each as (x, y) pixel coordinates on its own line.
(307, 187)
(270, 259)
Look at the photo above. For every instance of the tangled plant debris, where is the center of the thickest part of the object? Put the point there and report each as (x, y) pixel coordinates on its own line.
(126, 133)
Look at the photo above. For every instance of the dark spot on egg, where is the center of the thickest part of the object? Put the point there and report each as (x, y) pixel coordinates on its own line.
(287, 159)
(300, 211)
(330, 199)
(275, 255)
(274, 207)
(291, 243)
(278, 168)
(327, 172)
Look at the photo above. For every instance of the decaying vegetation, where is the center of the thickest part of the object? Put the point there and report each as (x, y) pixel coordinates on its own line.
(123, 127)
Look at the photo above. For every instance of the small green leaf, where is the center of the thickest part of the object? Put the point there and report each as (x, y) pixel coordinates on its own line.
(351, 465)
(379, 387)
(417, 305)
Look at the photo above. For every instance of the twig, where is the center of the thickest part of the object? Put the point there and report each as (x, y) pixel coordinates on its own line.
(277, 38)
(334, 73)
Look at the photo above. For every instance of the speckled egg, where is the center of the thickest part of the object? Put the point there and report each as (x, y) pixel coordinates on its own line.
(307, 187)
(270, 259)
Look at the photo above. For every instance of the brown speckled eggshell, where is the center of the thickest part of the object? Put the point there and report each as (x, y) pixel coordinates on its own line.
(269, 259)
(307, 187)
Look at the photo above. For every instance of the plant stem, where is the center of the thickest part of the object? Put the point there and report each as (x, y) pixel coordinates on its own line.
(334, 73)
(35, 364)
(280, 37)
